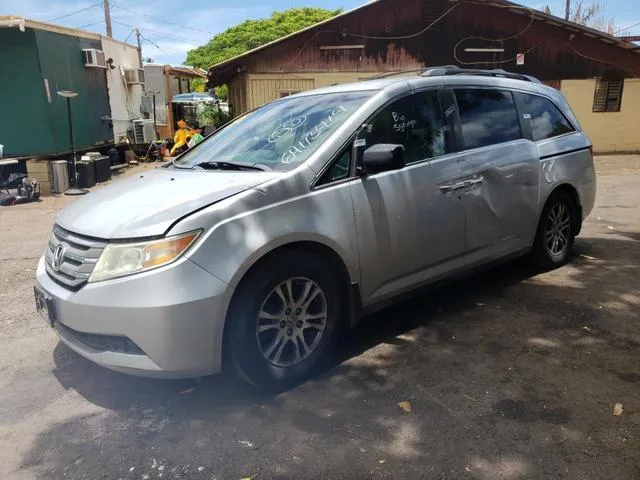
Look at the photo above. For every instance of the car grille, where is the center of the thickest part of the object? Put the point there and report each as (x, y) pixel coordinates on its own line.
(70, 258)
(101, 343)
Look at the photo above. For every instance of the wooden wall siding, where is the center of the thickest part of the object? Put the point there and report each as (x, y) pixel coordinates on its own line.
(265, 90)
(552, 56)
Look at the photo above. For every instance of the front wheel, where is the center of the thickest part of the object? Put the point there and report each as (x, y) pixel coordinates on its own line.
(556, 232)
(283, 320)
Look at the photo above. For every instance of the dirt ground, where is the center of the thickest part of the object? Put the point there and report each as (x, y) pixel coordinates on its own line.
(510, 375)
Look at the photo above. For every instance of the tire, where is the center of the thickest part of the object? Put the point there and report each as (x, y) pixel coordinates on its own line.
(556, 232)
(259, 301)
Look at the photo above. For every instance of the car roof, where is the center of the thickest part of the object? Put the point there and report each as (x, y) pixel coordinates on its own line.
(412, 80)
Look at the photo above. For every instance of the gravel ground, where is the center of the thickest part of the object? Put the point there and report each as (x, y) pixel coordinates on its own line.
(510, 374)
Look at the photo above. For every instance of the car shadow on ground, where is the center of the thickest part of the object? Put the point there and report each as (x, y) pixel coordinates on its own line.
(504, 371)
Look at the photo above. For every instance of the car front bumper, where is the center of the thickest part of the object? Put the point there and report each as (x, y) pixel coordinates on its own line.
(165, 323)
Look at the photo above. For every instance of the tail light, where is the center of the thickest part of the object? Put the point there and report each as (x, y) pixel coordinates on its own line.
(591, 150)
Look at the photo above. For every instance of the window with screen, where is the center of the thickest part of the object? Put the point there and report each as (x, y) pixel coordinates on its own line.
(608, 96)
(488, 117)
(546, 120)
(414, 122)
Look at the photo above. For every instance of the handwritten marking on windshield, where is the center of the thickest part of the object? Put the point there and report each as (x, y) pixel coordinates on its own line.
(311, 136)
(286, 129)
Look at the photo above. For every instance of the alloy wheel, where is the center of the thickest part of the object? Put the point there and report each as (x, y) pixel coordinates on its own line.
(557, 230)
(291, 321)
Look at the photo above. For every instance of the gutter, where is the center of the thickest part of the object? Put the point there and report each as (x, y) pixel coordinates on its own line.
(14, 22)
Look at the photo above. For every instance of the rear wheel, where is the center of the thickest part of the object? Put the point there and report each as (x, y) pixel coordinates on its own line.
(556, 232)
(283, 320)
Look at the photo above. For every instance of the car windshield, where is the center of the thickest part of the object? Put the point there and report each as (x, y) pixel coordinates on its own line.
(277, 136)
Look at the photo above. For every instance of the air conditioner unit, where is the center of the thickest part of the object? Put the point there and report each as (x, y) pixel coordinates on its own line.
(133, 76)
(93, 58)
(144, 131)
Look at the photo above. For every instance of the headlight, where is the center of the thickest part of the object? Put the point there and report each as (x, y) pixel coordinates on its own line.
(121, 259)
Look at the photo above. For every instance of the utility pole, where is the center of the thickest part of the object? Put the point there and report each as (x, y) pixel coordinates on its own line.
(107, 18)
(567, 10)
(139, 46)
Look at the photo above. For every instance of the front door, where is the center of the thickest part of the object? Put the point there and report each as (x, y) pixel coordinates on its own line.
(500, 170)
(410, 223)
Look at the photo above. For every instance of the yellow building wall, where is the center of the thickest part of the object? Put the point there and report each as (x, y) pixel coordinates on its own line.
(609, 131)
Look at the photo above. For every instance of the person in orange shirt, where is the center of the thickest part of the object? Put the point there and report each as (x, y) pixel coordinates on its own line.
(180, 138)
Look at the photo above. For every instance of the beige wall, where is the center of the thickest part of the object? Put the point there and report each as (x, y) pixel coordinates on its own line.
(249, 91)
(609, 131)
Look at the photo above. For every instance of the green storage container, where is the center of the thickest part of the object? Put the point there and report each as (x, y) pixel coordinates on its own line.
(34, 65)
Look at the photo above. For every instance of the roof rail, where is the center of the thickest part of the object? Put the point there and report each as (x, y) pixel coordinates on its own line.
(455, 70)
(419, 71)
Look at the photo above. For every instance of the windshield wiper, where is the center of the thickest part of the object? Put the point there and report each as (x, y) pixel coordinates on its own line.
(212, 165)
(179, 166)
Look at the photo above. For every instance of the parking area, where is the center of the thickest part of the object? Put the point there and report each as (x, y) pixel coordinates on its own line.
(509, 374)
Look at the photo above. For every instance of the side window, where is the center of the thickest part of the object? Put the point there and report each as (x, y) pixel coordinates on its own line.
(547, 121)
(414, 122)
(487, 116)
(339, 170)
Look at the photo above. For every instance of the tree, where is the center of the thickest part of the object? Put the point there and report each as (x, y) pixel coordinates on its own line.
(254, 33)
(590, 15)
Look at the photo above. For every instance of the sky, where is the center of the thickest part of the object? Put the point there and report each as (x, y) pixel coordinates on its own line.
(171, 28)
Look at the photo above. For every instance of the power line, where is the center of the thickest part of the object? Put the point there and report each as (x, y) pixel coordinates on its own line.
(627, 28)
(74, 12)
(153, 43)
(162, 34)
(91, 24)
(161, 19)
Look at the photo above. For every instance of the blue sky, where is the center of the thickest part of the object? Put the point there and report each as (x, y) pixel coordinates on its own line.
(163, 23)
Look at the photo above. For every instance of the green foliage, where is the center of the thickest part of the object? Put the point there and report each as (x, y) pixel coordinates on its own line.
(222, 93)
(254, 33)
(209, 115)
(198, 84)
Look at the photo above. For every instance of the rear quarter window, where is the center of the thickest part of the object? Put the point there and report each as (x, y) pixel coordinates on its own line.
(545, 118)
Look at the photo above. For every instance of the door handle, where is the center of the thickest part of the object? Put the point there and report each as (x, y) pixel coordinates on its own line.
(474, 181)
(452, 188)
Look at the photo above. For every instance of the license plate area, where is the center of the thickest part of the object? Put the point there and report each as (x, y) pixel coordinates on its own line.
(44, 306)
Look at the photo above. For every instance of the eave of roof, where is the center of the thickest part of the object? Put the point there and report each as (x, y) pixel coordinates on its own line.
(553, 20)
(15, 21)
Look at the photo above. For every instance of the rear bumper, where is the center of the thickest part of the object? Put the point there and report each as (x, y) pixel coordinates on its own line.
(163, 323)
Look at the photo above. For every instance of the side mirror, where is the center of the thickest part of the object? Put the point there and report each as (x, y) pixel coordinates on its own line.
(381, 158)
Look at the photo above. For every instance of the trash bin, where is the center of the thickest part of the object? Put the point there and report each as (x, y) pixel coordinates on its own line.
(103, 169)
(60, 176)
(86, 173)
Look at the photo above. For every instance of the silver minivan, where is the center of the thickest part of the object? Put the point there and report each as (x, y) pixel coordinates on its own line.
(256, 247)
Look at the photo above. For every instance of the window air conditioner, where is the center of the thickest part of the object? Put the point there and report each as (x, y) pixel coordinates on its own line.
(144, 131)
(94, 58)
(133, 76)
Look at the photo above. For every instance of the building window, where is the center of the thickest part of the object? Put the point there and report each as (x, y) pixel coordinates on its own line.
(608, 96)
(288, 93)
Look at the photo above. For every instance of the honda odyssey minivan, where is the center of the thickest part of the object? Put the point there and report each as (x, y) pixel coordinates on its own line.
(258, 246)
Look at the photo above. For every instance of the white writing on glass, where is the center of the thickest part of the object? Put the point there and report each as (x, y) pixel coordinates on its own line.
(311, 136)
(400, 122)
(286, 129)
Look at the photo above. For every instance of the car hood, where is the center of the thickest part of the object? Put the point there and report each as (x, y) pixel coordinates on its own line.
(147, 204)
